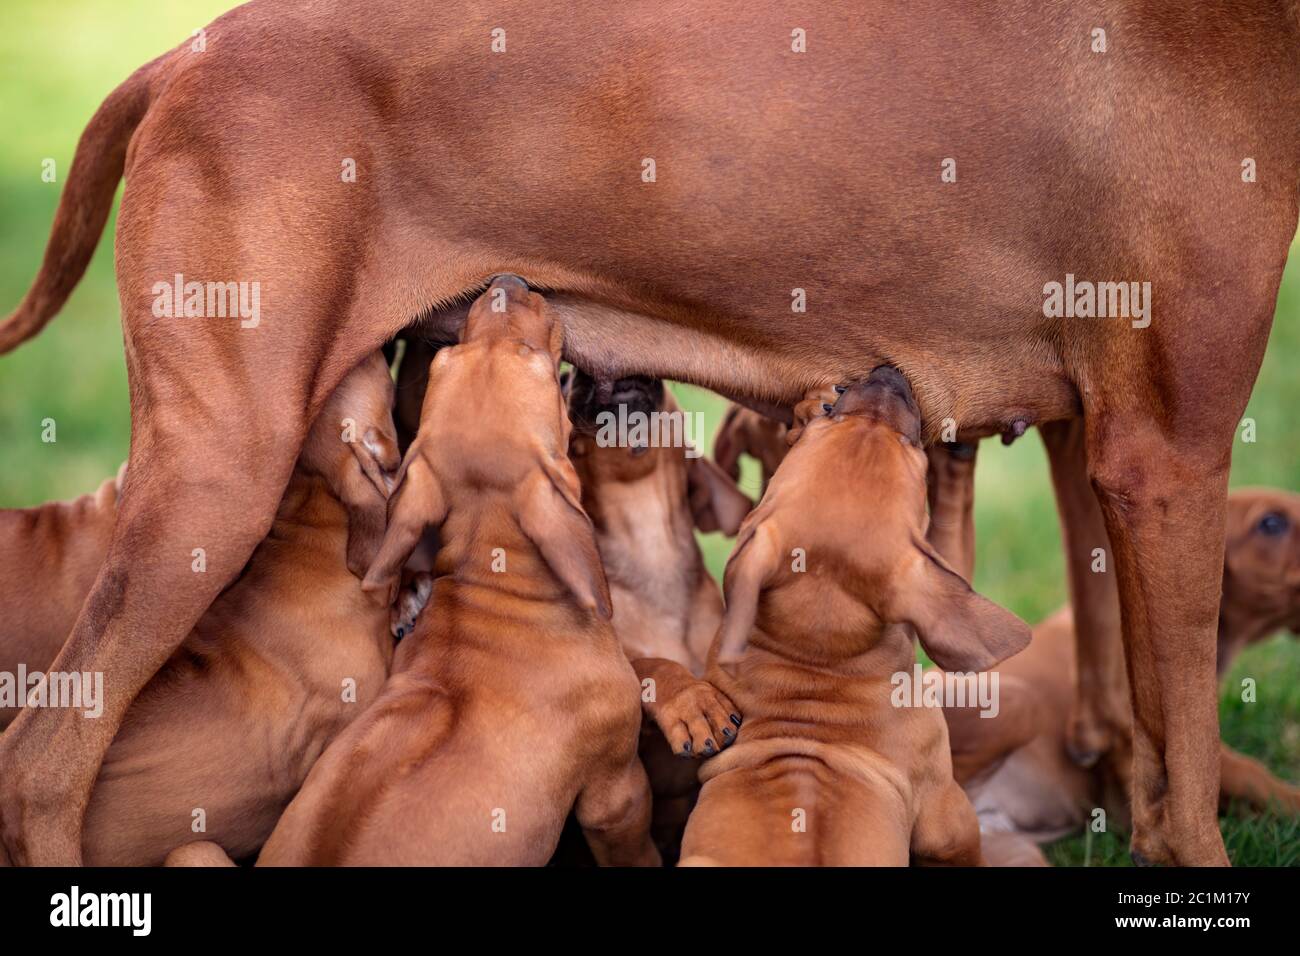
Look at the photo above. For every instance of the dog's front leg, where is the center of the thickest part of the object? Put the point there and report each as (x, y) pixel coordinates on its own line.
(696, 718)
(1163, 490)
(1101, 722)
(950, 489)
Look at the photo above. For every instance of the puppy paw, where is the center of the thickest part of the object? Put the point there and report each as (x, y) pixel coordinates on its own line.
(698, 720)
(817, 403)
(411, 600)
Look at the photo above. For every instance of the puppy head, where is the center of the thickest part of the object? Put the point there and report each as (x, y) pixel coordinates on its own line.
(852, 491)
(715, 502)
(1261, 569)
(494, 425)
(352, 445)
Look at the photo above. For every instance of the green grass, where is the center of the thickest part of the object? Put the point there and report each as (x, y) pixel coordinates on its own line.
(56, 65)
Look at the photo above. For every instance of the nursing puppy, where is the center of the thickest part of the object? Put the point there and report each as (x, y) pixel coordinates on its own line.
(645, 502)
(226, 731)
(49, 557)
(1015, 767)
(830, 576)
(513, 703)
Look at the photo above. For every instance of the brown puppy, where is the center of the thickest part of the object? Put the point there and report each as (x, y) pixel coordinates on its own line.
(224, 734)
(1015, 766)
(645, 501)
(952, 468)
(49, 557)
(829, 577)
(514, 703)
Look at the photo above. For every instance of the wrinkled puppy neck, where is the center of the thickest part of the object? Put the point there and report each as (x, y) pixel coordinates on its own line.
(508, 310)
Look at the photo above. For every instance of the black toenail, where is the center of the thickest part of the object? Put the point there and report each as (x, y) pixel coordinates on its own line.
(708, 747)
(841, 389)
(735, 720)
(827, 407)
(728, 732)
(686, 747)
(401, 633)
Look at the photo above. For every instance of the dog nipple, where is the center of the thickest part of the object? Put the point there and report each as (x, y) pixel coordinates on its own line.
(1013, 431)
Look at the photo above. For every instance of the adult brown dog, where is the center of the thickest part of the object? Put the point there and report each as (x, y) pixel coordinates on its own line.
(225, 733)
(645, 500)
(1015, 766)
(830, 575)
(678, 195)
(513, 703)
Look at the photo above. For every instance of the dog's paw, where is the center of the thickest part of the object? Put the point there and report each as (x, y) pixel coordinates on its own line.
(698, 720)
(411, 600)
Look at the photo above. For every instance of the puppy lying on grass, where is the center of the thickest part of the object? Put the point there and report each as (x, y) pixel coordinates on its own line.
(1015, 767)
(830, 580)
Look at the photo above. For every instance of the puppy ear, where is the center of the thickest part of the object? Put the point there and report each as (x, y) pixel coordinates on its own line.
(959, 629)
(716, 503)
(418, 503)
(815, 405)
(555, 341)
(751, 566)
(551, 514)
(729, 443)
(367, 513)
(364, 492)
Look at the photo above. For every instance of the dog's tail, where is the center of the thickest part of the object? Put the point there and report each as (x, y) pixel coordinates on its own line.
(83, 209)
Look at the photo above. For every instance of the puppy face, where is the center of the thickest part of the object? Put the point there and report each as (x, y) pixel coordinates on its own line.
(353, 446)
(716, 504)
(851, 494)
(493, 429)
(492, 407)
(1261, 568)
(601, 465)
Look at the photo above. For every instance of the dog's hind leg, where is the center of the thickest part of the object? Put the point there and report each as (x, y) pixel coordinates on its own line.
(203, 853)
(1242, 778)
(1004, 848)
(614, 813)
(220, 405)
(980, 744)
(947, 831)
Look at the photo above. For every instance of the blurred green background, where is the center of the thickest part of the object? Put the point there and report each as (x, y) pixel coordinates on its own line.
(57, 63)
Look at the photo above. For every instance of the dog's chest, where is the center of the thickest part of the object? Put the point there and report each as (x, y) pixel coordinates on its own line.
(648, 550)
